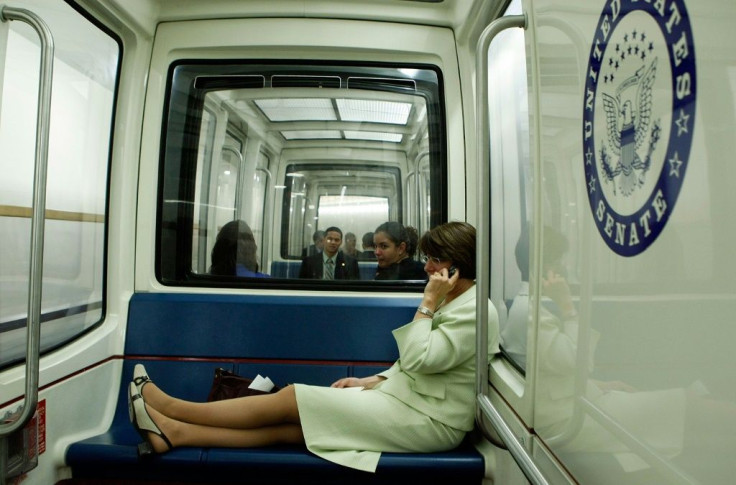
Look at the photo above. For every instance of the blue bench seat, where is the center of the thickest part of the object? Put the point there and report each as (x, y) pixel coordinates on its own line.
(112, 456)
(159, 336)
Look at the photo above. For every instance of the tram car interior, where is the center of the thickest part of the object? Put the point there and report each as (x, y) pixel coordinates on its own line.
(589, 145)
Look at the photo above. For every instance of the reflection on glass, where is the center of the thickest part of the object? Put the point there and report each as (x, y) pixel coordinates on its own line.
(510, 162)
(234, 252)
(85, 65)
(293, 158)
(331, 263)
(592, 416)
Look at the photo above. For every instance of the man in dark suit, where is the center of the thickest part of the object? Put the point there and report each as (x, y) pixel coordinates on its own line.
(331, 263)
(369, 248)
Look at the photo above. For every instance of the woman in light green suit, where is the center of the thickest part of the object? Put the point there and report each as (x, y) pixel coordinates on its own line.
(423, 403)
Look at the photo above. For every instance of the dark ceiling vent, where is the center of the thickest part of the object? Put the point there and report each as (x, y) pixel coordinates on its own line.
(382, 84)
(229, 82)
(299, 81)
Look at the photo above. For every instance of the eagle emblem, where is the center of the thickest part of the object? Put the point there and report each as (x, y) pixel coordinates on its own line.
(639, 104)
(628, 117)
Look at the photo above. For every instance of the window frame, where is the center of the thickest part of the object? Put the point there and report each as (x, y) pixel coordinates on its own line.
(172, 221)
(54, 316)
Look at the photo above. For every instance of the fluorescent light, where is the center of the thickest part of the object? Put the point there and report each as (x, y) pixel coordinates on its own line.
(373, 136)
(297, 109)
(365, 110)
(312, 135)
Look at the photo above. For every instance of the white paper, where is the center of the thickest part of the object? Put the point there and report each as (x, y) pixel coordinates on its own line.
(261, 383)
(357, 388)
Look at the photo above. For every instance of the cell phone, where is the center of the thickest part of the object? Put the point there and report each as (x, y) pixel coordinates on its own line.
(452, 270)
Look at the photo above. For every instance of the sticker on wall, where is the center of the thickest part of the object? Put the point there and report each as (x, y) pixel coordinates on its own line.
(638, 118)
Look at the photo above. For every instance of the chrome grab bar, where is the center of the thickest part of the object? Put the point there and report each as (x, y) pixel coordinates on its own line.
(668, 472)
(269, 207)
(485, 407)
(33, 325)
(516, 449)
(418, 179)
(241, 168)
(411, 176)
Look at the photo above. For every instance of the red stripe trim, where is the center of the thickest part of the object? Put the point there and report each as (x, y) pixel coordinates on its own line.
(67, 377)
(199, 359)
(259, 361)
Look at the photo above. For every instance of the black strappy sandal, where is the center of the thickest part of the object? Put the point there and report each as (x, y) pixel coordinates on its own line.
(140, 378)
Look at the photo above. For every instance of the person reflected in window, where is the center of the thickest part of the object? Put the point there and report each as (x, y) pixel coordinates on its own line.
(316, 246)
(395, 245)
(331, 263)
(413, 241)
(556, 299)
(369, 250)
(425, 402)
(234, 252)
(350, 245)
(682, 425)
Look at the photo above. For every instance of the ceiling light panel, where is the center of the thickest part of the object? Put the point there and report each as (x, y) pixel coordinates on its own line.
(297, 109)
(374, 111)
(311, 134)
(373, 136)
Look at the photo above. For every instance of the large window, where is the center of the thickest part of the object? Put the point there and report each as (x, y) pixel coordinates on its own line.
(357, 198)
(289, 151)
(512, 187)
(83, 93)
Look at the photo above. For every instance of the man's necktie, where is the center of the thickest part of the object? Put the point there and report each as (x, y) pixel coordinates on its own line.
(329, 269)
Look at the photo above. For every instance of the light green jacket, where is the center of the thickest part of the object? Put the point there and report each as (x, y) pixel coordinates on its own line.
(435, 373)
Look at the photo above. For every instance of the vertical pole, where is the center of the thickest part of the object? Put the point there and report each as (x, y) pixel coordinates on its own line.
(33, 324)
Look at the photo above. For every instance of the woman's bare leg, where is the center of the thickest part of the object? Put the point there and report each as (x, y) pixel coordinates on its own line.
(187, 434)
(241, 413)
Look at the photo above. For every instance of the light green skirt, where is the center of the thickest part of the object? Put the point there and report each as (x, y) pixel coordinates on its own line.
(352, 427)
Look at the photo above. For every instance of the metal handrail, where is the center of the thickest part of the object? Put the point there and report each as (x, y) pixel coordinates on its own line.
(670, 473)
(485, 407)
(516, 449)
(33, 326)
(268, 209)
(241, 167)
(407, 185)
(417, 181)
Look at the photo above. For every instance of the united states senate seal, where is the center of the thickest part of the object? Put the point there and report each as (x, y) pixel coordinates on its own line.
(638, 118)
